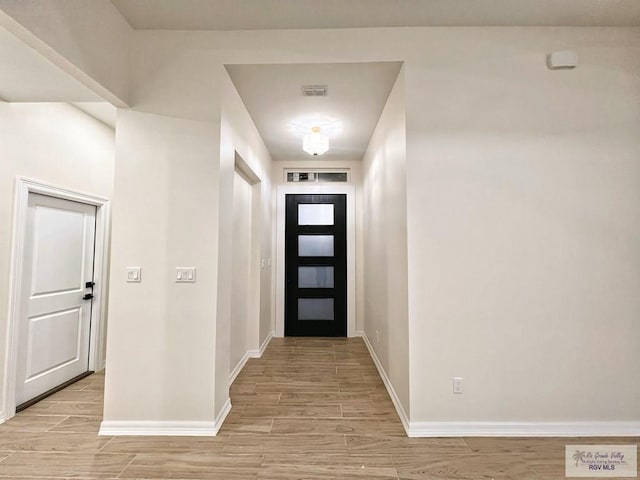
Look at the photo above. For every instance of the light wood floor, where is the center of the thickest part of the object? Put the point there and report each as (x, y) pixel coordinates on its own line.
(308, 409)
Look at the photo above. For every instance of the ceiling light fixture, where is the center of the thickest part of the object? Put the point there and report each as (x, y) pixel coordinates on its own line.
(315, 143)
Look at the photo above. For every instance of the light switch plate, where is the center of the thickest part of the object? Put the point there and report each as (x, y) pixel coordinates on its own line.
(134, 274)
(185, 274)
(457, 385)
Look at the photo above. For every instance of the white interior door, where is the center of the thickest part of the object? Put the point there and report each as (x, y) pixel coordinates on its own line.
(55, 320)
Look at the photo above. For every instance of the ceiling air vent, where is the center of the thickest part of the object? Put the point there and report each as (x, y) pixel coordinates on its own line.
(314, 90)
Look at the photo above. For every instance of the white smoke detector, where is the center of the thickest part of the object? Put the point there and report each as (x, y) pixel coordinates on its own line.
(562, 60)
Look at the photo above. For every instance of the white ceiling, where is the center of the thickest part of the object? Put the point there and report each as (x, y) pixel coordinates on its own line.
(26, 76)
(357, 93)
(287, 14)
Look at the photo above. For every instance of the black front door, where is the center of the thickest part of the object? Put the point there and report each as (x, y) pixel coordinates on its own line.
(316, 266)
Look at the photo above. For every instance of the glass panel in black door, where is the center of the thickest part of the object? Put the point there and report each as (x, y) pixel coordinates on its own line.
(316, 266)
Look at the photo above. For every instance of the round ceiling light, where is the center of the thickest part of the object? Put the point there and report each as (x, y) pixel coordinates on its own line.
(315, 143)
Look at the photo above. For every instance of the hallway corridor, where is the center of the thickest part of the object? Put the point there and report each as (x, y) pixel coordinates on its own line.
(312, 386)
(310, 408)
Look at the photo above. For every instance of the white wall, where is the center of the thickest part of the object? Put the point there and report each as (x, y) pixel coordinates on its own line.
(524, 227)
(56, 144)
(240, 136)
(173, 206)
(522, 205)
(161, 339)
(385, 243)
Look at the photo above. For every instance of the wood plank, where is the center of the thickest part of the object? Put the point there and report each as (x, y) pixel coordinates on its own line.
(386, 445)
(297, 387)
(193, 466)
(46, 407)
(78, 425)
(328, 426)
(273, 411)
(76, 465)
(51, 442)
(28, 423)
(315, 472)
(455, 467)
(292, 444)
(165, 445)
(331, 398)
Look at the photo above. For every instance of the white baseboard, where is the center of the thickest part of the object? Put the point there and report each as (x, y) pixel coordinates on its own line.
(249, 354)
(265, 344)
(157, 428)
(219, 420)
(387, 382)
(524, 429)
(238, 368)
(165, 428)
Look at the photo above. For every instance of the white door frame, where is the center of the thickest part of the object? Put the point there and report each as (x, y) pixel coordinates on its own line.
(23, 187)
(328, 189)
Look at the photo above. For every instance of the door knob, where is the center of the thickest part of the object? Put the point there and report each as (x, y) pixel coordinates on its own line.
(88, 296)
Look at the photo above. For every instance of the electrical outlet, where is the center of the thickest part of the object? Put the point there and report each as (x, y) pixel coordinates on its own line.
(377, 336)
(457, 385)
